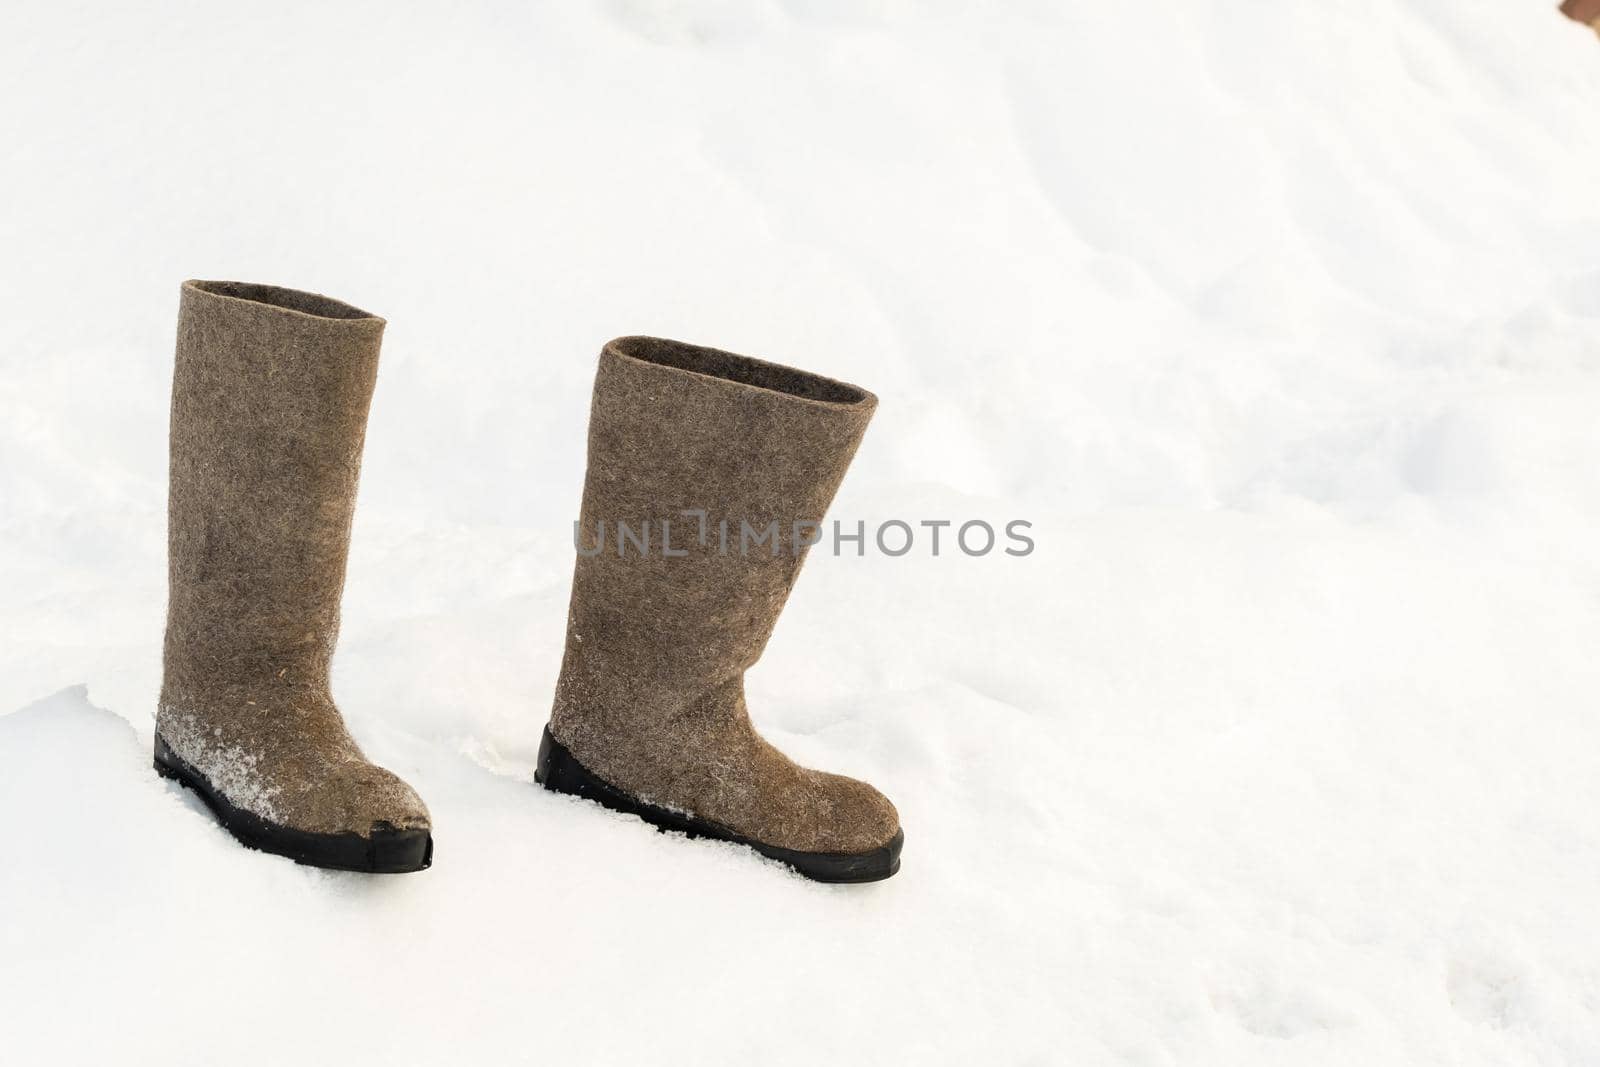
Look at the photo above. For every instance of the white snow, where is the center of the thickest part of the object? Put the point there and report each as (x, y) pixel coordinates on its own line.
(1281, 323)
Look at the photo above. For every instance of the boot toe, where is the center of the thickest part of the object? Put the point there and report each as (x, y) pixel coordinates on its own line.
(364, 798)
(860, 819)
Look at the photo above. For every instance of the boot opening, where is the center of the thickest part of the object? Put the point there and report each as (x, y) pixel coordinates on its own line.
(715, 363)
(322, 307)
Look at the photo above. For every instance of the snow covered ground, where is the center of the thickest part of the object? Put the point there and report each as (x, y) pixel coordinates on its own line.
(1281, 323)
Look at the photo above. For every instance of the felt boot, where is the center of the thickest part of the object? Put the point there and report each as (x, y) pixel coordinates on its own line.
(706, 473)
(269, 412)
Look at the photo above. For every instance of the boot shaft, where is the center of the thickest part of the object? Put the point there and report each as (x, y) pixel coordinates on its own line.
(270, 395)
(694, 453)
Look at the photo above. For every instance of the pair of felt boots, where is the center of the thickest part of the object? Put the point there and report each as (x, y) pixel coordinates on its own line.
(269, 411)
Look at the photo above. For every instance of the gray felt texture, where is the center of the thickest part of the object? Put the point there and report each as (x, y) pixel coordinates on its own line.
(651, 693)
(269, 412)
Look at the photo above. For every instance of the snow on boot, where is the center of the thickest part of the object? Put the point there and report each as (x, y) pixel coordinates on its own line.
(705, 471)
(269, 412)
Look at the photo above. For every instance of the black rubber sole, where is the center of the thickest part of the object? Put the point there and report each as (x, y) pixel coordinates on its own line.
(560, 772)
(385, 852)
